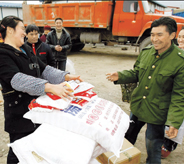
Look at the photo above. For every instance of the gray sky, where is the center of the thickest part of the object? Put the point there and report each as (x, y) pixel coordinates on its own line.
(173, 3)
(165, 3)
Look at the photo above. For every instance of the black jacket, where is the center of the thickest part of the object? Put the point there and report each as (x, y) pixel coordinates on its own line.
(16, 103)
(64, 42)
(44, 52)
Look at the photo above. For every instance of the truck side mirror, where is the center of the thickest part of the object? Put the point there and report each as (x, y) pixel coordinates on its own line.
(135, 7)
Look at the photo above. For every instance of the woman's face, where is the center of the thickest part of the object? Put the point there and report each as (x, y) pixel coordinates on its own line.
(19, 34)
(181, 39)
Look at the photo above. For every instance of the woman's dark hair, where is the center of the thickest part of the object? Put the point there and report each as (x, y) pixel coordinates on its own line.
(8, 21)
(31, 28)
(170, 24)
(58, 19)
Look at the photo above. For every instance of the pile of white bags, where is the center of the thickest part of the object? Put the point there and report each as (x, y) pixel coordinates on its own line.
(52, 145)
(100, 123)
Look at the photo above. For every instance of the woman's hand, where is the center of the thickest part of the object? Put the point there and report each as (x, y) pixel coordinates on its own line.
(60, 90)
(69, 77)
(112, 76)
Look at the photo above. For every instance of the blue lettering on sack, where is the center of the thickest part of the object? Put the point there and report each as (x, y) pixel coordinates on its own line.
(73, 110)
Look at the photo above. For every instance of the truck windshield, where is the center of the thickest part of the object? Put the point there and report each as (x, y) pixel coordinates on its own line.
(146, 6)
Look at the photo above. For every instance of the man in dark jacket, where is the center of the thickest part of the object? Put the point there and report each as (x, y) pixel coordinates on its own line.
(40, 49)
(59, 41)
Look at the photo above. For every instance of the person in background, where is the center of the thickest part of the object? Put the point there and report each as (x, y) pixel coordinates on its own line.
(24, 77)
(47, 29)
(59, 41)
(40, 49)
(1, 39)
(180, 39)
(156, 101)
(170, 145)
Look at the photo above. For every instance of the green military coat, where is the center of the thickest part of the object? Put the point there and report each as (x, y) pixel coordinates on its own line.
(159, 97)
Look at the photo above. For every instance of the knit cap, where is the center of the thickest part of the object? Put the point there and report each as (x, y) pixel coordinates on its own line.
(47, 28)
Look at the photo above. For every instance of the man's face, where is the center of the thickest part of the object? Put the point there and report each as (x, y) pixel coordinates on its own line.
(59, 24)
(161, 39)
(32, 37)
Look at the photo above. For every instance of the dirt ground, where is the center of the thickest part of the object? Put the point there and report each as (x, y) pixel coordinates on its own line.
(92, 64)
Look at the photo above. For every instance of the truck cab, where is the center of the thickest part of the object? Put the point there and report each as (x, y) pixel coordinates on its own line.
(132, 22)
(127, 20)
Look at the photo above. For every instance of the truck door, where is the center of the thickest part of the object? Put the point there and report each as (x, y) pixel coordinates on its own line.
(130, 18)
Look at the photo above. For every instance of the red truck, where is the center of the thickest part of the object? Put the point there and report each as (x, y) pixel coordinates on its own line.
(110, 21)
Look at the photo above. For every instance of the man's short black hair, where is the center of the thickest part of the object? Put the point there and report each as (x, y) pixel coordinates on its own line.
(58, 19)
(170, 24)
(31, 28)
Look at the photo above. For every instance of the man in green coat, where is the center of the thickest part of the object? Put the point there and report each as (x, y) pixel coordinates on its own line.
(159, 98)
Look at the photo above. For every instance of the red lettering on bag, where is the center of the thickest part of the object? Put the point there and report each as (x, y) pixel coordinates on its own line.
(89, 122)
(97, 111)
(105, 117)
(119, 119)
(103, 102)
(114, 130)
(115, 113)
(93, 117)
(99, 107)
(100, 124)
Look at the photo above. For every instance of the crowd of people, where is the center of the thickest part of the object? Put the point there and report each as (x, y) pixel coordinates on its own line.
(32, 65)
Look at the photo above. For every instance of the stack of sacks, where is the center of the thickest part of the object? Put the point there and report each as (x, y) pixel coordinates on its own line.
(87, 115)
(52, 145)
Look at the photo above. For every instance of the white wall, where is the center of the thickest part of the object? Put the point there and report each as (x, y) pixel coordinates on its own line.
(20, 13)
(70, 1)
(5, 11)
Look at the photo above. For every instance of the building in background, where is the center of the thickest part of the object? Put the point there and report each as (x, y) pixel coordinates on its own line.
(7, 8)
(156, 7)
(178, 12)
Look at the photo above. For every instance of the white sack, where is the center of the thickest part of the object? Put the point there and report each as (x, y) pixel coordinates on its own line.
(58, 103)
(70, 66)
(101, 120)
(54, 146)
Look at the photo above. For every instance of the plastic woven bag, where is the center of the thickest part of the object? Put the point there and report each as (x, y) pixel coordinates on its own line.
(52, 145)
(70, 66)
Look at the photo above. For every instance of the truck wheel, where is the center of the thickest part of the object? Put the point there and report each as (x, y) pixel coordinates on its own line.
(77, 47)
(146, 42)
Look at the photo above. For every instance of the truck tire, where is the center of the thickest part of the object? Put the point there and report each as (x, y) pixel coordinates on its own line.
(146, 42)
(77, 45)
